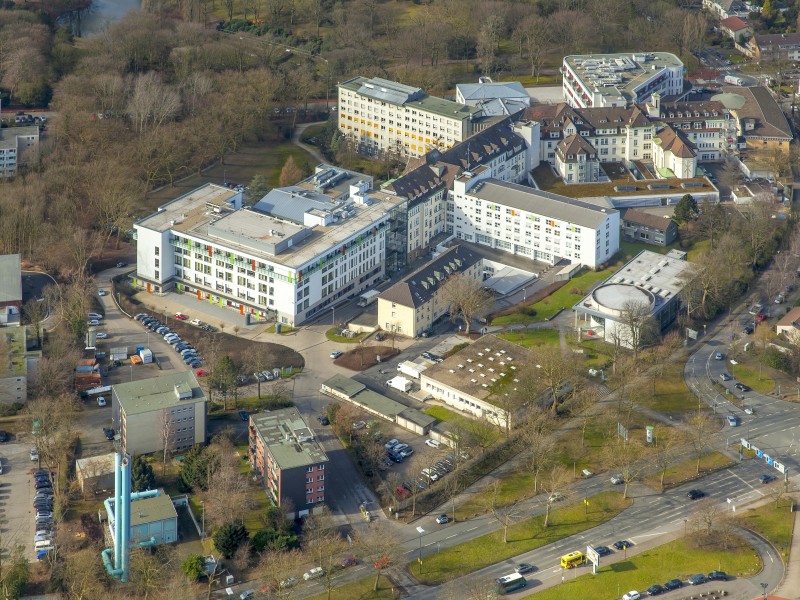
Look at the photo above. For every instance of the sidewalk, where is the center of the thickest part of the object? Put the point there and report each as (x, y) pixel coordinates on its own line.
(790, 586)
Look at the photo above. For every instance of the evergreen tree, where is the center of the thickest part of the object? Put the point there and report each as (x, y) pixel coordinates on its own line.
(193, 567)
(229, 537)
(685, 209)
(142, 476)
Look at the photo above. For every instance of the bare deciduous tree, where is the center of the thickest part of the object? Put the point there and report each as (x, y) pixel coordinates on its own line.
(466, 297)
(556, 484)
(152, 103)
(506, 515)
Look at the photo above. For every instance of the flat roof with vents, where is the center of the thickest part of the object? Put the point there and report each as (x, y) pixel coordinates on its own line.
(482, 376)
(289, 439)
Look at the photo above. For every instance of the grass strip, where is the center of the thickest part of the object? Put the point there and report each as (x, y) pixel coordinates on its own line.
(529, 534)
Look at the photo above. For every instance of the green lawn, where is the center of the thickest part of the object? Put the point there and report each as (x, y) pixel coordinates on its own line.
(749, 376)
(514, 487)
(533, 337)
(686, 471)
(680, 559)
(669, 394)
(284, 329)
(442, 413)
(596, 353)
(773, 523)
(522, 537)
(564, 297)
(312, 131)
(628, 250)
(362, 590)
(697, 248)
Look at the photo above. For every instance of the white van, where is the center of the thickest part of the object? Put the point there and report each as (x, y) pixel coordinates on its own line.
(44, 545)
(314, 573)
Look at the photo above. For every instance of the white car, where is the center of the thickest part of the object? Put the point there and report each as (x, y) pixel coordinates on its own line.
(93, 323)
(313, 573)
(430, 474)
(336, 354)
(617, 479)
(632, 595)
(196, 322)
(101, 401)
(433, 443)
(555, 497)
(101, 292)
(94, 315)
(101, 335)
(34, 454)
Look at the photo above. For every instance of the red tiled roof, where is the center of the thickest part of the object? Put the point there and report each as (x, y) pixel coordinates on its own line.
(734, 23)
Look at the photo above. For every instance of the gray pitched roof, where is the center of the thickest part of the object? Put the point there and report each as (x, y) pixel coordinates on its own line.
(419, 287)
(541, 202)
(438, 169)
(641, 217)
(487, 91)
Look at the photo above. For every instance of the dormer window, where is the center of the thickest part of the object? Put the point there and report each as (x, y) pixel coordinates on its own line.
(570, 157)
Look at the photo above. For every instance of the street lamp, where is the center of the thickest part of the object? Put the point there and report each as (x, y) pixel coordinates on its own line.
(524, 293)
(203, 504)
(764, 587)
(685, 524)
(421, 531)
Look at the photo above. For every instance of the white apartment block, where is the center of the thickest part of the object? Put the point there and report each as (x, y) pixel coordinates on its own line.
(18, 145)
(531, 223)
(381, 115)
(506, 149)
(601, 80)
(299, 251)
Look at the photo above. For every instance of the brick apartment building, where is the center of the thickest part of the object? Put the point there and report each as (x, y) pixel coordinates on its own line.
(285, 455)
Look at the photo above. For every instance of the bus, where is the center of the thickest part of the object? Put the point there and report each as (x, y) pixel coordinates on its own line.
(510, 583)
(573, 559)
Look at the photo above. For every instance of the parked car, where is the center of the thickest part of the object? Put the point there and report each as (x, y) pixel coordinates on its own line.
(101, 401)
(697, 579)
(725, 377)
(94, 315)
(34, 454)
(244, 415)
(260, 377)
(101, 292)
(101, 335)
(433, 443)
(391, 444)
(766, 478)
(314, 573)
(359, 425)
(348, 562)
(632, 595)
(555, 497)
(655, 590)
(336, 354)
(742, 387)
(247, 595)
(323, 420)
(180, 316)
(617, 479)
(3, 436)
(93, 323)
(121, 264)
(719, 356)
(603, 550)
(109, 433)
(718, 576)
(430, 474)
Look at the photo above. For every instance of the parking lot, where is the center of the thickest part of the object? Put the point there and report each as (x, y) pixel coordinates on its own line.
(16, 497)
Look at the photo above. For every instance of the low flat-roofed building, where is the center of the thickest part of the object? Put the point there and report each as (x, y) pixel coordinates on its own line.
(469, 379)
(95, 473)
(149, 412)
(153, 519)
(378, 405)
(645, 288)
(293, 466)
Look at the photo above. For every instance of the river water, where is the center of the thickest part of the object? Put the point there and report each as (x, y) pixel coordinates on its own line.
(99, 16)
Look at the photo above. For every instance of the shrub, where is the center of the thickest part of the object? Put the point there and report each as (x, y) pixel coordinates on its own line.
(777, 360)
(528, 310)
(229, 537)
(193, 567)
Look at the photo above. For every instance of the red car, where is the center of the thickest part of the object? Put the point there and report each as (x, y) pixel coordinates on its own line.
(201, 373)
(402, 492)
(180, 316)
(349, 562)
(761, 317)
